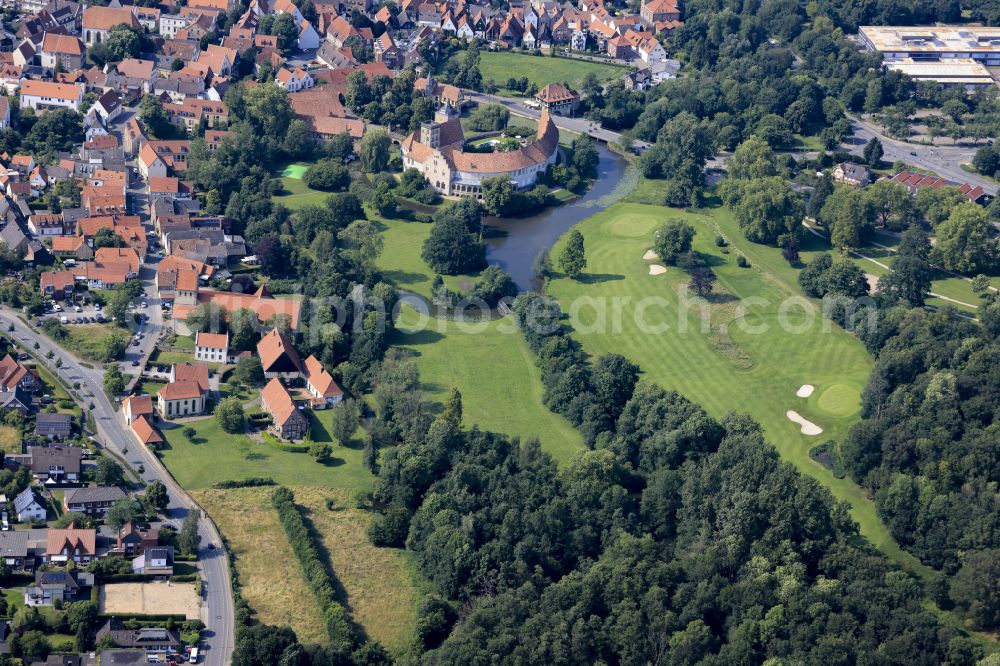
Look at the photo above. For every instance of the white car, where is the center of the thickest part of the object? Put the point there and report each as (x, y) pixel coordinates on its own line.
(144, 304)
(77, 308)
(57, 308)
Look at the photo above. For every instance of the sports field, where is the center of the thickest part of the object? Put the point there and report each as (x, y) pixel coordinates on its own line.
(161, 598)
(542, 70)
(749, 349)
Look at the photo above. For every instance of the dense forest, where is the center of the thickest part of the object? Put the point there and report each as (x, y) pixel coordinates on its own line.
(927, 447)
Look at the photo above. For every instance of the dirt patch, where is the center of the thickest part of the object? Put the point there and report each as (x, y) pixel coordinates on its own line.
(162, 598)
(805, 427)
(656, 269)
(805, 391)
(650, 255)
(872, 282)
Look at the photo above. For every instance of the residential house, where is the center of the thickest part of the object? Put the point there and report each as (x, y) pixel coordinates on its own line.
(286, 419)
(211, 347)
(46, 224)
(45, 95)
(92, 501)
(558, 99)
(850, 173)
(658, 11)
(150, 164)
(191, 113)
(293, 80)
(278, 356)
(108, 106)
(148, 17)
(135, 406)
(154, 640)
(16, 376)
(915, 182)
(29, 506)
(56, 464)
(70, 544)
(179, 399)
(74, 247)
(63, 51)
(4, 113)
(131, 540)
(53, 426)
(14, 549)
(156, 561)
(321, 384)
(387, 51)
(52, 587)
(17, 400)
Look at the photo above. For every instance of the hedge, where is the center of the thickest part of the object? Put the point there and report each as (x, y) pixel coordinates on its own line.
(338, 624)
(251, 482)
(284, 446)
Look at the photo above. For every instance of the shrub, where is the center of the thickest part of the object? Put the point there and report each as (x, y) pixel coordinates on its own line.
(742, 262)
(337, 622)
(251, 482)
(327, 175)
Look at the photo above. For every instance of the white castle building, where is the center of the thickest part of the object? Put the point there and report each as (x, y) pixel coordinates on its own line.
(437, 152)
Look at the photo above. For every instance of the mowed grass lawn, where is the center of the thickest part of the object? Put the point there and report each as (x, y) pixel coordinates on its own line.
(213, 455)
(492, 366)
(296, 194)
(542, 70)
(401, 263)
(730, 365)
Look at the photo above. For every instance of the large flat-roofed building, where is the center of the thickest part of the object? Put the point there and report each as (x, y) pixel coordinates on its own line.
(964, 72)
(930, 43)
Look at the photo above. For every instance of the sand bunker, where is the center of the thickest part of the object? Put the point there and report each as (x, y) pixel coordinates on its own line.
(805, 427)
(650, 255)
(805, 390)
(656, 269)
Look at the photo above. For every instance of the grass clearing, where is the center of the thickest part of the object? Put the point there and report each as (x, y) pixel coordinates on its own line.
(492, 366)
(10, 439)
(401, 263)
(270, 576)
(376, 581)
(720, 359)
(213, 455)
(542, 70)
(86, 341)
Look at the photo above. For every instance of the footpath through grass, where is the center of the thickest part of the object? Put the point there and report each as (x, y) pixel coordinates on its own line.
(749, 349)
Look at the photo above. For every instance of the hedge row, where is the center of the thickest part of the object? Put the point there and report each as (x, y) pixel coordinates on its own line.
(251, 482)
(283, 446)
(338, 624)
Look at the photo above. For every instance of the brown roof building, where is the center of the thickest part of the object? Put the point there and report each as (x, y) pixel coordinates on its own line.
(286, 419)
(437, 151)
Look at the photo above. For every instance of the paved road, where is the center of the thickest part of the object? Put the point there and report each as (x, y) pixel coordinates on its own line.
(217, 609)
(112, 432)
(942, 160)
(579, 125)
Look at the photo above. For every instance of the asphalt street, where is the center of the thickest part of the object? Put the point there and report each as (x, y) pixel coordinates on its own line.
(112, 432)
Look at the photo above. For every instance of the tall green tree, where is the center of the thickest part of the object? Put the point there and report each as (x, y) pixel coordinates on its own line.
(573, 258)
(374, 151)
